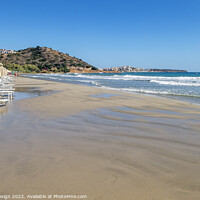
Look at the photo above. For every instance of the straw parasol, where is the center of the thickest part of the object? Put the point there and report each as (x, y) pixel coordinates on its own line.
(3, 70)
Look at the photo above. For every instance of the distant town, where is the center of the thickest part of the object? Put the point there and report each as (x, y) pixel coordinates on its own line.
(135, 69)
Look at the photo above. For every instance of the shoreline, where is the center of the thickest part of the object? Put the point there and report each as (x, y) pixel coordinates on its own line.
(106, 145)
(71, 90)
(186, 97)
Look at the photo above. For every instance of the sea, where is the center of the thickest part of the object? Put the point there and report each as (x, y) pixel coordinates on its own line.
(183, 86)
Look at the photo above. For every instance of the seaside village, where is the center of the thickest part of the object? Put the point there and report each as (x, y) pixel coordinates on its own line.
(6, 86)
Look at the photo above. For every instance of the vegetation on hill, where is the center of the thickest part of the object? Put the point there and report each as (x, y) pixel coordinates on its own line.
(43, 59)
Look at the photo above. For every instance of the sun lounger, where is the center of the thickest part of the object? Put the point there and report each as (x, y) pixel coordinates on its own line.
(6, 90)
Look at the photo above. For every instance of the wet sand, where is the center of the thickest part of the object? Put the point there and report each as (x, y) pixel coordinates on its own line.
(104, 144)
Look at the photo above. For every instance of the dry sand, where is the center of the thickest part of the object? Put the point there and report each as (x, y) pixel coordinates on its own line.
(125, 146)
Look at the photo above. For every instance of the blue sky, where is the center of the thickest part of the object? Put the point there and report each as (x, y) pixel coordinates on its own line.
(142, 33)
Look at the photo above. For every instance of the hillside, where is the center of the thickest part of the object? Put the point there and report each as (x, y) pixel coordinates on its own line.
(43, 59)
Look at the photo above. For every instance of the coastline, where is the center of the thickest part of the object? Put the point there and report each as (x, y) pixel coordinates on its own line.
(178, 86)
(77, 140)
(74, 96)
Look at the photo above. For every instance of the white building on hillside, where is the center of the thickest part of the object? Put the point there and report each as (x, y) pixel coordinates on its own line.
(4, 51)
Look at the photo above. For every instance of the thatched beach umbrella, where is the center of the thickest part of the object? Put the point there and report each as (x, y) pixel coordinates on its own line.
(3, 70)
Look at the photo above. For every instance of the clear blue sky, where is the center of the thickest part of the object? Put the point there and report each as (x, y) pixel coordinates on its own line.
(140, 33)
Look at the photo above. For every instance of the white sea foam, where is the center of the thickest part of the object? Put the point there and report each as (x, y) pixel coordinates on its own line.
(152, 92)
(187, 81)
(89, 81)
(176, 83)
(124, 77)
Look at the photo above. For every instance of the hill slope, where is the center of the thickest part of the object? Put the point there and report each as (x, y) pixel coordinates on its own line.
(41, 59)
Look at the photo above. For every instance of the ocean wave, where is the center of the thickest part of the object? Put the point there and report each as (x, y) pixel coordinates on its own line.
(175, 83)
(89, 81)
(124, 77)
(152, 92)
(162, 80)
(136, 77)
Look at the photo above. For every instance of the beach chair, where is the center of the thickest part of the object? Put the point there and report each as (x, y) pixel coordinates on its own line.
(3, 102)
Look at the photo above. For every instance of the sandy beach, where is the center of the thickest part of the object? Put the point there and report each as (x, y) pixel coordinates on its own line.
(108, 145)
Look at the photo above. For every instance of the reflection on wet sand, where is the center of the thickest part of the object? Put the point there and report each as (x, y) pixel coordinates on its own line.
(3, 110)
(101, 148)
(29, 92)
(23, 93)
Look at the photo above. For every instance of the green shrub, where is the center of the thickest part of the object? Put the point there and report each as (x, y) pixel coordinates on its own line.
(94, 68)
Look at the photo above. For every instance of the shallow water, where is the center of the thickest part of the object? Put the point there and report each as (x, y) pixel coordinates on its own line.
(104, 95)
